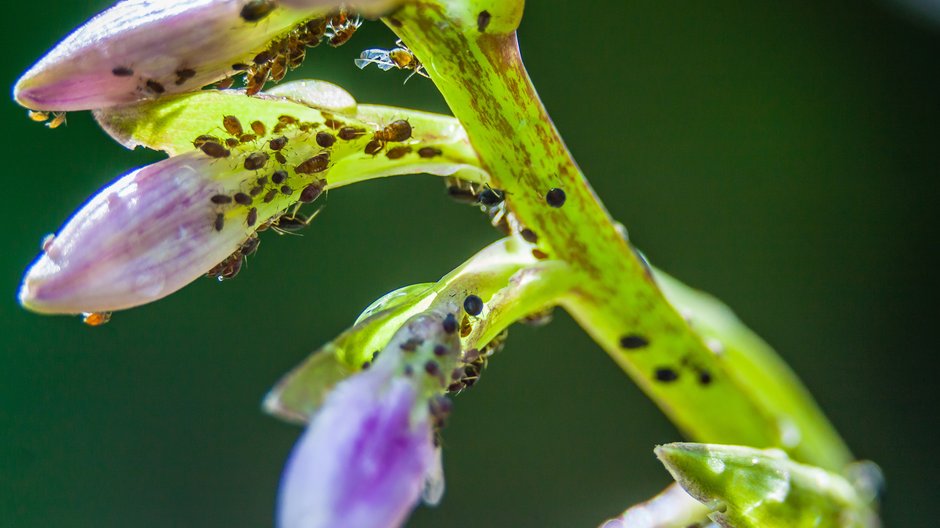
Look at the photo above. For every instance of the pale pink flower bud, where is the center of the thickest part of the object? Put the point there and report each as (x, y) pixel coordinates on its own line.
(141, 49)
(142, 238)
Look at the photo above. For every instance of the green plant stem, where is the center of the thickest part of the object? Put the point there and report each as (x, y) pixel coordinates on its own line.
(470, 51)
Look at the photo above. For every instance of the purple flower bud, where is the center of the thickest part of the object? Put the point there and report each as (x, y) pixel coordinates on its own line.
(363, 461)
(141, 49)
(143, 237)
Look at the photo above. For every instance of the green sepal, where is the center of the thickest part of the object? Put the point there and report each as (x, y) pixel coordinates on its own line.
(753, 488)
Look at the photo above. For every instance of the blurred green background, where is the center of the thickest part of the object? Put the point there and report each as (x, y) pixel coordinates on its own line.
(782, 155)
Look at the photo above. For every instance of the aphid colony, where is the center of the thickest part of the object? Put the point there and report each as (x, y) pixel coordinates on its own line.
(288, 53)
(275, 183)
(279, 183)
(398, 57)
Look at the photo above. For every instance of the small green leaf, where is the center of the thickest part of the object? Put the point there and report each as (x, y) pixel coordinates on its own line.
(752, 488)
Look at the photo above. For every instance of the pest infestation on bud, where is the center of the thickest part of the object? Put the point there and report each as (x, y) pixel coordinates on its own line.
(245, 161)
(369, 454)
(140, 50)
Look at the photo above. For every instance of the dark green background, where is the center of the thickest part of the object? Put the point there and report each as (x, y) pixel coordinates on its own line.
(782, 155)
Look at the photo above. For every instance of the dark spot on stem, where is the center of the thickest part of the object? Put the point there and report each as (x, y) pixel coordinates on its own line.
(555, 197)
(666, 375)
(704, 377)
(633, 341)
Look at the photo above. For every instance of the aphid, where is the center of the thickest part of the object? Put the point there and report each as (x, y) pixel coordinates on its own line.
(398, 152)
(242, 198)
(250, 246)
(258, 128)
(96, 318)
(483, 20)
(529, 236)
(264, 57)
(256, 190)
(205, 138)
(232, 125)
(277, 143)
(241, 66)
(374, 147)
(279, 68)
(214, 150)
(318, 163)
(122, 71)
(473, 305)
(280, 158)
(287, 120)
(270, 195)
(287, 189)
(219, 221)
(256, 10)
(431, 367)
(278, 177)
(225, 83)
(399, 130)
(247, 138)
(184, 74)
(155, 87)
(38, 117)
(333, 123)
(221, 199)
(290, 223)
(312, 32)
(348, 133)
(232, 142)
(325, 139)
(439, 408)
(58, 119)
(555, 197)
(312, 191)
(450, 323)
(252, 216)
(341, 28)
(490, 197)
(399, 57)
(255, 81)
(429, 152)
(298, 52)
(461, 191)
(256, 160)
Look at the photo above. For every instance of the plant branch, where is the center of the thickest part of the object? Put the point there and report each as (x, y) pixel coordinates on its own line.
(470, 51)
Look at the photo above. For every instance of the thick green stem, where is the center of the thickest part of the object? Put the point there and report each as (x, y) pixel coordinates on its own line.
(470, 51)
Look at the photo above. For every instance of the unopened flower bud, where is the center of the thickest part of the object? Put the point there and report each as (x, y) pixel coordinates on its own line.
(141, 49)
(143, 237)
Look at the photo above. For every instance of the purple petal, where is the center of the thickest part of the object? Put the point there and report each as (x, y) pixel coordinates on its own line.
(363, 461)
(145, 236)
(140, 49)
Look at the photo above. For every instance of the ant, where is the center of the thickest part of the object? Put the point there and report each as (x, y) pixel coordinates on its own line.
(399, 57)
